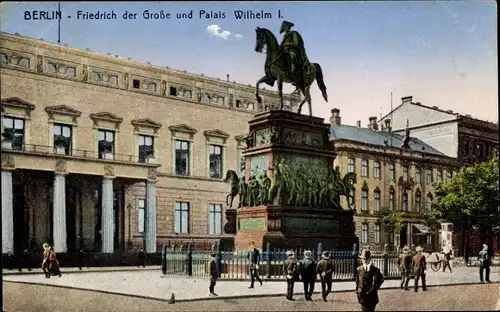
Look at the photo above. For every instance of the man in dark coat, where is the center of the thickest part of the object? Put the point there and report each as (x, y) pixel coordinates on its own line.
(214, 274)
(405, 262)
(368, 282)
(484, 264)
(307, 269)
(291, 271)
(325, 271)
(419, 268)
(446, 261)
(254, 258)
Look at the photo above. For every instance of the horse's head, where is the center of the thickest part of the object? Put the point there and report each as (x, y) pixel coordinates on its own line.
(259, 39)
(228, 176)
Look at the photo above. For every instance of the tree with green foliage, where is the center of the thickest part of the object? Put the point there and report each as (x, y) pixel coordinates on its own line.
(393, 222)
(470, 199)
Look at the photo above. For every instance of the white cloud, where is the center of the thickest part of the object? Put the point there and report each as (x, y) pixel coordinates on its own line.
(238, 36)
(215, 30)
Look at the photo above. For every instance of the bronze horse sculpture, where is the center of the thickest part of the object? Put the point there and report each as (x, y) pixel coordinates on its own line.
(277, 68)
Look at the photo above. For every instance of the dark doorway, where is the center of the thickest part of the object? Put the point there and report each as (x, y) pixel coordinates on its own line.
(21, 230)
(71, 207)
(403, 236)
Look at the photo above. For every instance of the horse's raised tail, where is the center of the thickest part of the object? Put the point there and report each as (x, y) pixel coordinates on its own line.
(319, 80)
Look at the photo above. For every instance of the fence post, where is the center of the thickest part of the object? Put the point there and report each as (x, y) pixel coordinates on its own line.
(218, 259)
(189, 260)
(320, 250)
(268, 251)
(386, 261)
(164, 259)
(354, 261)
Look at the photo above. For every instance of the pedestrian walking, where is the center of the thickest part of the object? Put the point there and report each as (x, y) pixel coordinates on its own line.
(446, 260)
(214, 274)
(307, 269)
(368, 282)
(484, 264)
(50, 265)
(325, 272)
(419, 268)
(405, 262)
(254, 258)
(291, 271)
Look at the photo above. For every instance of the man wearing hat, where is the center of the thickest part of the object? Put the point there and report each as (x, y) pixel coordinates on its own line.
(291, 271)
(325, 271)
(293, 46)
(419, 268)
(484, 264)
(405, 262)
(214, 274)
(368, 282)
(307, 269)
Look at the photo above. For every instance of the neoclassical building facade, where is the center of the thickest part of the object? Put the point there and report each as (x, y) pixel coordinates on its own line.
(107, 154)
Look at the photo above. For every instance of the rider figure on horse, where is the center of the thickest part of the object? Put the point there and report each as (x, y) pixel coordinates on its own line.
(293, 47)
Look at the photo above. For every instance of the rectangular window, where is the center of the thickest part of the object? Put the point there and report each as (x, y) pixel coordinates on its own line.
(428, 203)
(439, 175)
(352, 200)
(214, 219)
(376, 201)
(13, 129)
(181, 217)
(392, 172)
(215, 159)
(417, 202)
(63, 137)
(241, 163)
(418, 175)
(106, 143)
(376, 169)
(351, 165)
(429, 176)
(405, 173)
(405, 202)
(392, 201)
(377, 234)
(364, 200)
(449, 175)
(136, 84)
(173, 91)
(364, 233)
(479, 150)
(364, 168)
(182, 157)
(141, 207)
(146, 147)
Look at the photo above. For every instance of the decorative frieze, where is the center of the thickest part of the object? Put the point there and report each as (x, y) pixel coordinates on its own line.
(104, 77)
(60, 68)
(211, 98)
(179, 90)
(15, 58)
(145, 84)
(245, 103)
(298, 137)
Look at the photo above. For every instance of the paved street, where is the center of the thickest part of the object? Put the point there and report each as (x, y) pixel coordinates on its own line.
(151, 284)
(22, 297)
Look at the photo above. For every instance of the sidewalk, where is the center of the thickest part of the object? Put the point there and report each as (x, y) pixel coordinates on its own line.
(146, 283)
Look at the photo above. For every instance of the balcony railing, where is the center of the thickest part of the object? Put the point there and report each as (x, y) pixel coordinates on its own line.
(77, 153)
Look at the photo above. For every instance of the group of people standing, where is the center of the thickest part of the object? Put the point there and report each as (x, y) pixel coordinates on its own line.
(412, 264)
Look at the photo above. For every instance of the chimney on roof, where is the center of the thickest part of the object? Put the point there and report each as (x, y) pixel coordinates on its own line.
(358, 123)
(227, 77)
(387, 125)
(335, 117)
(407, 99)
(372, 123)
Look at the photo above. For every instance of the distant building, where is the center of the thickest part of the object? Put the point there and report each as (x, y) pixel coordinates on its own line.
(456, 135)
(394, 173)
(109, 154)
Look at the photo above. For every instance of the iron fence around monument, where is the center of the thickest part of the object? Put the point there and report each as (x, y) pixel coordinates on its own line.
(235, 265)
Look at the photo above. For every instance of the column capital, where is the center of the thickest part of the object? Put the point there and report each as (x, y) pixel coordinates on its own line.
(150, 181)
(108, 177)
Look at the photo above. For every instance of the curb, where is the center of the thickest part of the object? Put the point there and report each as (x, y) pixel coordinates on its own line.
(225, 297)
(81, 271)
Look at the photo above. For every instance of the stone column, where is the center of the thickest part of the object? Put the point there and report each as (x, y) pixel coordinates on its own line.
(107, 231)
(7, 213)
(59, 213)
(150, 216)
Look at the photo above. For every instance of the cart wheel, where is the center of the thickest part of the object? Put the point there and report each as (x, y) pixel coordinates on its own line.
(435, 266)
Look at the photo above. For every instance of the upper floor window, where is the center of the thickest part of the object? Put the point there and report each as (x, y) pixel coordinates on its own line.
(392, 200)
(214, 219)
(466, 147)
(364, 233)
(392, 171)
(376, 233)
(428, 202)
(405, 202)
(182, 157)
(14, 131)
(418, 198)
(376, 169)
(364, 168)
(215, 159)
(479, 150)
(351, 165)
(439, 175)
(430, 177)
(376, 201)
(405, 173)
(364, 200)
(63, 139)
(106, 143)
(146, 147)
(449, 175)
(181, 218)
(352, 200)
(418, 175)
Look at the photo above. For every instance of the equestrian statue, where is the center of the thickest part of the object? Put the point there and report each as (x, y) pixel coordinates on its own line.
(288, 62)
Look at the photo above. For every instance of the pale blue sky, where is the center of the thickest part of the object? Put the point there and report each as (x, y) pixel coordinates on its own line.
(442, 53)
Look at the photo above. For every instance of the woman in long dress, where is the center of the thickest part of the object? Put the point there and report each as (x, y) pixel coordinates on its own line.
(50, 265)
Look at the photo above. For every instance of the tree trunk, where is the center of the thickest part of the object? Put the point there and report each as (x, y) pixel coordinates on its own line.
(466, 244)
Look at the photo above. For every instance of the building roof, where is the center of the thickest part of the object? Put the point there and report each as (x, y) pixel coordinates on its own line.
(368, 136)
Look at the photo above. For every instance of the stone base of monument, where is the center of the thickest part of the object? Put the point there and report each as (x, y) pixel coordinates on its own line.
(294, 227)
